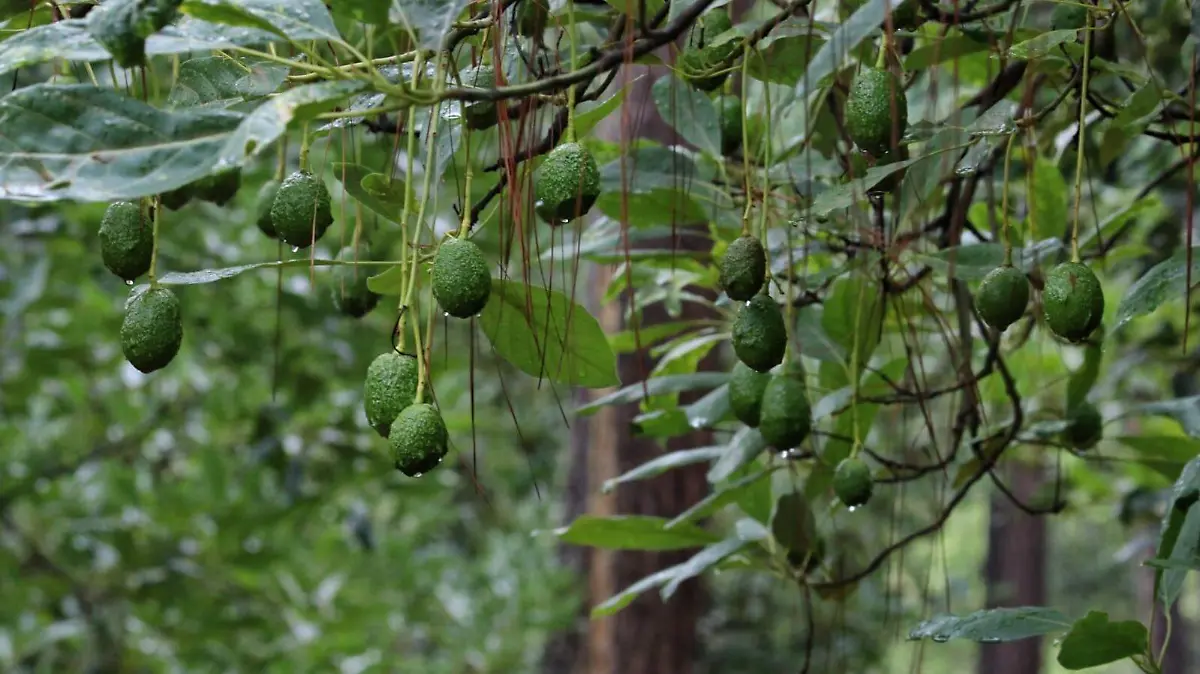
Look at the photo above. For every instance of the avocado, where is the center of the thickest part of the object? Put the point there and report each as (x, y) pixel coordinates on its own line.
(462, 278)
(480, 115)
(218, 188)
(1086, 427)
(869, 110)
(302, 209)
(744, 268)
(262, 207)
(1073, 301)
(759, 334)
(567, 185)
(177, 198)
(126, 240)
(709, 27)
(729, 116)
(852, 482)
(390, 387)
(746, 388)
(419, 439)
(785, 418)
(152, 330)
(532, 17)
(794, 528)
(351, 295)
(706, 68)
(1068, 16)
(1002, 297)
(907, 16)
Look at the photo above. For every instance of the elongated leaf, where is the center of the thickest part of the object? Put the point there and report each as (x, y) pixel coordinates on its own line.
(689, 112)
(1165, 281)
(1184, 496)
(1048, 202)
(221, 81)
(1041, 45)
(743, 448)
(545, 334)
(176, 278)
(662, 464)
(1094, 640)
(852, 319)
(271, 119)
(388, 283)
(974, 261)
(701, 562)
(850, 193)
(993, 625)
(633, 532)
(431, 20)
(676, 383)
(1184, 410)
(720, 497)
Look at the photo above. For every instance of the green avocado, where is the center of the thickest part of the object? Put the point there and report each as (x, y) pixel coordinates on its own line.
(744, 268)
(302, 209)
(729, 115)
(532, 17)
(795, 529)
(419, 439)
(351, 295)
(706, 68)
(177, 198)
(218, 188)
(262, 207)
(126, 240)
(785, 418)
(759, 334)
(152, 330)
(1073, 301)
(1068, 16)
(746, 388)
(852, 482)
(462, 278)
(1002, 297)
(709, 27)
(869, 115)
(480, 115)
(1086, 427)
(390, 387)
(567, 184)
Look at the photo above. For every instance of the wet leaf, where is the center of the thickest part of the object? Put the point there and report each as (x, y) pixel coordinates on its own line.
(675, 383)
(662, 464)
(1041, 45)
(1165, 281)
(431, 20)
(222, 81)
(689, 112)
(993, 625)
(1094, 641)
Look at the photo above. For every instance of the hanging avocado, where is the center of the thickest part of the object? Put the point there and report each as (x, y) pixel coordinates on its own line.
(1073, 301)
(390, 387)
(302, 210)
(852, 482)
(567, 184)
(759, 334)
(875, 107)
(1002, 297)
(419, 439)
(785, 417)
(152, 330)
(351, 295)
(746, 387)
(744, 268)
(126, 240)
(462, 278)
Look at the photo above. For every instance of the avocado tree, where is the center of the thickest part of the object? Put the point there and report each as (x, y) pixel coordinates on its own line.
(926, 226)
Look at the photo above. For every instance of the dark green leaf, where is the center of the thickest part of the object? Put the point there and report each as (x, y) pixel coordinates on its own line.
(854, 191)
(221, 81)
(941, 51)
(633, 532)
(353, 176)
(1167, 280)
(973, 262)
(544, 334)
(1094, 641)
(993, 625)
(1048, 202)
(783, 56)
(689, 112)
(270, 120)
(662, 464)
(431, 20)
(652, 207)
(1041, 45)
(1184, 410)
(203, 276)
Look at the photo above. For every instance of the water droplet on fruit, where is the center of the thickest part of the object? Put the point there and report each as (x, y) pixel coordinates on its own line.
(446, 314)
(418, 474)
(295, 249)
(129, 282)
(852, 508)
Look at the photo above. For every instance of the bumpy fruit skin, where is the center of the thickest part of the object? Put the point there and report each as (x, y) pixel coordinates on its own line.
(744, 268)
(746, 387)
(301, 204)
(219, 188)
(729, 113)
(390, 387)
(1086, 427)
(1068, 16)
(126, 240)
(480, 115)
(262, 207)
(462, 280)
(351, 295)
(1073, 301)
(419, 439)
(869, 114)
(759, 334)
(568, 184)
(152, 330)
(785, 418)
(1003, 296)
(852, 482)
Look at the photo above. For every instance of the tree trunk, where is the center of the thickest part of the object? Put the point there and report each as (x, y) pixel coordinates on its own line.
(1016, 573)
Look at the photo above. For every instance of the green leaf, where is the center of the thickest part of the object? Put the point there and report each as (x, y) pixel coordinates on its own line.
(203, 276)
(854, 191)
(544, 334)
(227, 13)
(853, 317)
(783, 55)
(1184, 410)
(973, 262)
(745, 445)
(633, 532)
(431, 20)
(1083, 379)
(1178, 517)
(1147, 207)
(709, 409)
(667, 462)
(921, 180)
(222, 81)
(676, 383)
(689, 112)
(993, 625)
(1165, 281)
(1041, 45)
(1094, 641)
(1048, 202)
(943, 50)
(700, 562)
(720, 497)
(1140, 104)
(633, 8)
(390, 283)
(270, 120)
(589, 114)
(834, 53)
(353, 177)
(619, 601)
(294, 20)
(652, 207)
(89, 143)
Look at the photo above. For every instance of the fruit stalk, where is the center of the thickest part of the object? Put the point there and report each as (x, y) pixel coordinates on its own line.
(1087, 48)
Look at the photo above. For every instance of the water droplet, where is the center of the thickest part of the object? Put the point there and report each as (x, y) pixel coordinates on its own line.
(965, 171)
(698, 422)
(129, 282)
(295, 249)
(565, 220)
(539, 203)
(852, 508)
(446, 314)
(989, 640)
(941, 638)
(418, 474)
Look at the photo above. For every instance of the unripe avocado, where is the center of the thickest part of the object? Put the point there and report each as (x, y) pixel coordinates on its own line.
(567, 185)
(746, 388)
(709, 27)
(785, 418)
(1073, 301)
(1068, 16)
(301, 206)
(744, 268)
(152, 330)
(869, 114)
(462, 280)
(795, 529)
(177, 198)
(351, 295)
(480, 115)
(218, 188)
(126, 240)
(390, 387)
(729, 114)
(262, 207)
(704, 68)
(852, 482)
(759, 334)
(419, 439)
(1086, 427)
(1003, 296)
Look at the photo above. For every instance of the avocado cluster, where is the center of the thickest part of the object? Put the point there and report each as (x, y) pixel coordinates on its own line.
(217, 188)
(302, 209)
(875, 108)
(152, 330)
(785, 417)
(567, 184)
(704, 63)
(744, 268)
(1072, 301)
(126, 240)
(1002, 297)
(759, 335)
(852, 482)
(415, 430)
(462, 279)
(351, 295)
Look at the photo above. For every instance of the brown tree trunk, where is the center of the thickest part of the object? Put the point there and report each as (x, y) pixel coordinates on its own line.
(1016, 573)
